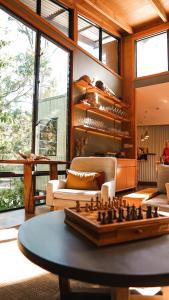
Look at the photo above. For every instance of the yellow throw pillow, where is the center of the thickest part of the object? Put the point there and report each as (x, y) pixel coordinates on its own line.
(82, 180)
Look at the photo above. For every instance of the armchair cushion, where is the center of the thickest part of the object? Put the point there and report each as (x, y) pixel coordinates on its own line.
(82, 180)
(74, 194)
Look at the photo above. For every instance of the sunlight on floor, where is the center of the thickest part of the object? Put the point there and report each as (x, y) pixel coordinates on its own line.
(15, 267)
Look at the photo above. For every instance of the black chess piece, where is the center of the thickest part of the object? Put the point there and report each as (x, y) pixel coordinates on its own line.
(99, 216)
(155, 212)
(133, 213)
(149, 212)
(103, 219)
(110, 216)
(114, 214)
(140, 214)
(128, 216)
(109, 202)
(120, 217)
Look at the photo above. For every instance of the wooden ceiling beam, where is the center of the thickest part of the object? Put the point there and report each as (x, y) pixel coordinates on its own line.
(106, 12)
(159, 9)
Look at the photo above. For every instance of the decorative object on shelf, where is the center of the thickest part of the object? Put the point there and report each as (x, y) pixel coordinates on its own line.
(92, 99)
(100, 85)
(85, 78)
(32, 156)
(80, 144)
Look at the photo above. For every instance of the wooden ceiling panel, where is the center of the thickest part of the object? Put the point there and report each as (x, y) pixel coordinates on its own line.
(165, 4)
(124, 16)
(136, 12)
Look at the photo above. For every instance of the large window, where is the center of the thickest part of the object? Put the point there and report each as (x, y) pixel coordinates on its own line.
(152, 56)
(34, 100)
(99, 43)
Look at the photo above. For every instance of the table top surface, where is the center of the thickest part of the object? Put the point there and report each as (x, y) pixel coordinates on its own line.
(53, 245)
(28, 161)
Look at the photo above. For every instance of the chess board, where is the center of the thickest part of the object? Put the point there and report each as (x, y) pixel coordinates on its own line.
(102, 227)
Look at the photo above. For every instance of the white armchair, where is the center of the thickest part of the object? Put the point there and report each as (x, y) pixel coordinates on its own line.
(58, 196)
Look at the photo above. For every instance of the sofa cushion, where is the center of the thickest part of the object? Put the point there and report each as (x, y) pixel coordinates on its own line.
(82, 180)
(74, 194)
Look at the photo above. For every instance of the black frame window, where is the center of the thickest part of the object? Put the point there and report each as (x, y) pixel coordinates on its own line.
(53, 12)
(92, 38)
(10, 172)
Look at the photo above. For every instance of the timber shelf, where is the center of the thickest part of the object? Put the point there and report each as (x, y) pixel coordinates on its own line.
(103, 113)
(103, 95)
(102, 132)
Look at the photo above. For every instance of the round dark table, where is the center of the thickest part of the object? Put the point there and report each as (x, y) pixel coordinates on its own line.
(51, 244)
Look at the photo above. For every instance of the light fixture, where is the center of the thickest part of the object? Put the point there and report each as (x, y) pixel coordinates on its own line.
(146, 136)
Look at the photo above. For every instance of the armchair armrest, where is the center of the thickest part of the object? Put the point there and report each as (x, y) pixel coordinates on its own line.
(53, 186)
(108, 190)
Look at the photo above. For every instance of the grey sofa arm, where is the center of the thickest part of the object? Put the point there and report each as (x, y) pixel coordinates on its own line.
(53, 186)
(108, 190)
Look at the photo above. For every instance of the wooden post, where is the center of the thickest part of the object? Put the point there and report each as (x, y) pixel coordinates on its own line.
(53, 171)
(28, 189)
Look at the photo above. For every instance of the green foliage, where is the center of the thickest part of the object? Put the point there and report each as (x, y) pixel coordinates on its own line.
(12, 197)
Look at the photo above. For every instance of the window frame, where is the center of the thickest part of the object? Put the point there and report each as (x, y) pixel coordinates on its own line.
(101, 30)
(147, 37)
(36, 94)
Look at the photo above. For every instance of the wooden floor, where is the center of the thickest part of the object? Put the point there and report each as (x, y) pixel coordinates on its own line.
(17, 217)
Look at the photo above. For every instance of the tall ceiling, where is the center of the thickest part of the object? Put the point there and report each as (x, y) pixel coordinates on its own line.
(126, 16)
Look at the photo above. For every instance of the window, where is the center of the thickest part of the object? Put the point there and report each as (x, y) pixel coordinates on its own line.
(99, 43)
(55, 14)
(88, 37)
(152, 55)
(34, 78)
(110, 51)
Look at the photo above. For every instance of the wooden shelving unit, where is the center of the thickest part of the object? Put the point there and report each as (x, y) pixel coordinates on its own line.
(103, 95)
(105, 114)
(102, 132)
(112, 112)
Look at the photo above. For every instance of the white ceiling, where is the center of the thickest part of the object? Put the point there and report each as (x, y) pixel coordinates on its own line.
(152, 105)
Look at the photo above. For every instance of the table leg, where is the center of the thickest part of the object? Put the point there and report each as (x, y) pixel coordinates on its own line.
(120, 294)
(64, 286)
(53, 171)
(28, 189)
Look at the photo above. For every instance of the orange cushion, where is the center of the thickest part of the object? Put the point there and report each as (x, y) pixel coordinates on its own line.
(100, 179)
(82, 180)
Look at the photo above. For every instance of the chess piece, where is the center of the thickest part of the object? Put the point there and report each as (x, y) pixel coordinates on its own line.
(110, 216)
(133, 213)
(103, 220)
(149, 212)
(155, 212)
(140, 214)
(120, 218)
(128, 216)
(78, 209)
(87, 207)
(99, 216)
(92, 205)
(114, 214)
